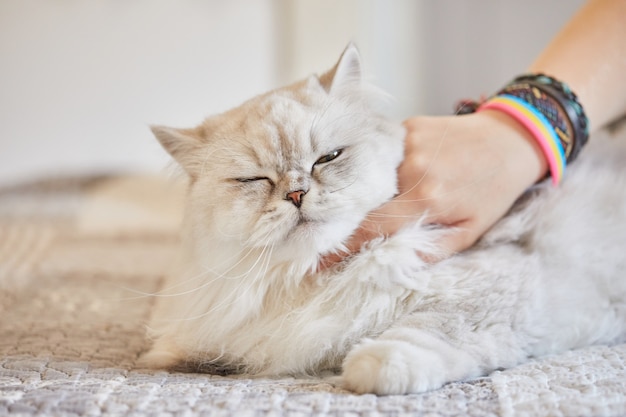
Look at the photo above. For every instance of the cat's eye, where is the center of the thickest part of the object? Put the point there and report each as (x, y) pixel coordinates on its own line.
(329, 157)
(254, 179)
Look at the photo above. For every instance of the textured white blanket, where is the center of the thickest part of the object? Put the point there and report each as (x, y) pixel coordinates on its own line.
(76, 260)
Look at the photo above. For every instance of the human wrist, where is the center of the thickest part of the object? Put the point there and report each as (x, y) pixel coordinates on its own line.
(519, 153)
(548, 109)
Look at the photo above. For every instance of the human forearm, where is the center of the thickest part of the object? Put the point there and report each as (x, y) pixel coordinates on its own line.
(589, 54)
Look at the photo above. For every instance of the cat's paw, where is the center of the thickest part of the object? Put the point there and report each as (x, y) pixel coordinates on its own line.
(387, 367)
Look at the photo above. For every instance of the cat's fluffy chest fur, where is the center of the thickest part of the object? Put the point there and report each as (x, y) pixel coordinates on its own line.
(288, 176)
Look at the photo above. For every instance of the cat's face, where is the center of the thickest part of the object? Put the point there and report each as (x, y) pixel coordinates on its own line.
(299, 165)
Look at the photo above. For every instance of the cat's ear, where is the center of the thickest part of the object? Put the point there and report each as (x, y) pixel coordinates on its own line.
(346, 72)
(183, 144)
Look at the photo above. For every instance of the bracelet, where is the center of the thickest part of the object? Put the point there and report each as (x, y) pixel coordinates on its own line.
(538, 125)
(549, 110)
(559, 104)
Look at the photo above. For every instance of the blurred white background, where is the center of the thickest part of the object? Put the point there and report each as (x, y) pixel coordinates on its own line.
(81, 80)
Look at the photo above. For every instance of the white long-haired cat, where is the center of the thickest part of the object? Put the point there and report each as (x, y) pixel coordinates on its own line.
(288, 176)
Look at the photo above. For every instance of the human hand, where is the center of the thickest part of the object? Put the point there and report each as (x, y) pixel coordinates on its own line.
(459, 171)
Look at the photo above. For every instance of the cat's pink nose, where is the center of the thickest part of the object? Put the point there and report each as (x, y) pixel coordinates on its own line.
(295, 197)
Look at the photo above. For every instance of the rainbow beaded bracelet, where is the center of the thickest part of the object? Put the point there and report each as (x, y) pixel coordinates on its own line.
(538, 125)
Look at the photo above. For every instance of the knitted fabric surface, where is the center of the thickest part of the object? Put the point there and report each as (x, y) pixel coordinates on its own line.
(77, 258)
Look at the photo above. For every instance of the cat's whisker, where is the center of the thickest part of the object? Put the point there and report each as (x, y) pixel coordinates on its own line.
(351, 183)
(217, 275)
(165, 292)
(458, 189)
(330, 124)
(241, 256)
(380, 218)
(430, 163)
(232, 297)
(208, 153)
(318, 117)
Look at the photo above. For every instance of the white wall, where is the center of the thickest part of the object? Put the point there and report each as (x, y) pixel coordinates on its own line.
(386, 33)
(427, 53)
(81, 80)
(474, 47)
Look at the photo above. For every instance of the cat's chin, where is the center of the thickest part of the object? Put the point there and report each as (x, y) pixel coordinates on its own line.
(316, 239)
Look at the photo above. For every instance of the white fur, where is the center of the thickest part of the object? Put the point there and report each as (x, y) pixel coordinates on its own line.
(547, 278)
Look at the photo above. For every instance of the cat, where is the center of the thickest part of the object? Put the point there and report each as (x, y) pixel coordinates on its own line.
(287, 177)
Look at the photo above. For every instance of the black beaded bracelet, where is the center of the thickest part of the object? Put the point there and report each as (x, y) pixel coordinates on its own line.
(559, 104)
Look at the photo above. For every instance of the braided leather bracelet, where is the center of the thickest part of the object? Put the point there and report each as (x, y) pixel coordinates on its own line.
(559, 104)
(549, 110)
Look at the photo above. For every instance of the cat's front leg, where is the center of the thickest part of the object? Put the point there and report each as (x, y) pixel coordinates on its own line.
(406, 360)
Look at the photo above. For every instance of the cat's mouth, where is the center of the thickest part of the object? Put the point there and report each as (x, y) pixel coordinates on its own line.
(304, 225)
(307, 218)
(302, 218)
(304, 221)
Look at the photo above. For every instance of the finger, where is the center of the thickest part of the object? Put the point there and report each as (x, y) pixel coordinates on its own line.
(464, 235)
(366, 232)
